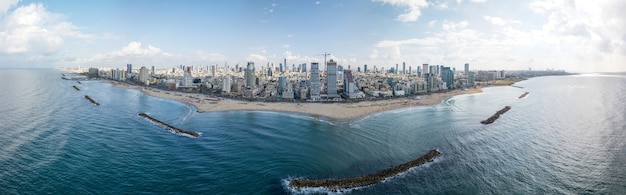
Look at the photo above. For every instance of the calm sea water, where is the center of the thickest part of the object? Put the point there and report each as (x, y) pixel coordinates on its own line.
(567, 137)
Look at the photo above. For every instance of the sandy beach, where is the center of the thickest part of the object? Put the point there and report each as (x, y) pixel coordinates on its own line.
(340, 111)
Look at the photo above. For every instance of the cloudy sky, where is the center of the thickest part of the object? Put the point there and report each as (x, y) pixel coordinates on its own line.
(575, 35)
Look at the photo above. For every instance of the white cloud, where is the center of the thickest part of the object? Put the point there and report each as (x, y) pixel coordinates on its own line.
(374, 54)
(286, 46)
(500, 21)
(257, 58)
(135, 49)
(33, 29)
(5, 5)
(439, 5)
(448, 25)
(473, 1)
(412, 8)
(317, 2)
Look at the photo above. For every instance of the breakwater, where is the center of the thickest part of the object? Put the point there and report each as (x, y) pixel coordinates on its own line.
(77, 89)
(524, 95)
(496, 115)
(366, 179)
(170, 127)
(91, 100)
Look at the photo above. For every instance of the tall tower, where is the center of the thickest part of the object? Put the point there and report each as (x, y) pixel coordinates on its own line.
(129, 69)
(403, 68)
(425, 69)
(314, 80)
(365, 68)
(447, 75)
(249, 74)
(396, 70)
(466, 68)
(331, 78)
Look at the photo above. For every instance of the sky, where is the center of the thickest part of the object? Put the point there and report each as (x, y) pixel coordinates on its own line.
(571, 35)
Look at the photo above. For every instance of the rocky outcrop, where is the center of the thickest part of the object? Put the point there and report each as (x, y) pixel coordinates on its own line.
(496, 115)
(524, 95)
(77, 89)
(366, 179)
(170, 127)
(91, 100)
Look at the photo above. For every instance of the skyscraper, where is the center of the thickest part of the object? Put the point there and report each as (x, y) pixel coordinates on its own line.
(314, 80)
(226, 84)
(466, 68)
(403, 68)
(249, 74)
(153, 71)
(365, 68)
(447, 75)
(396, 70)
(129, 69)
(143, 76)
(425, 69)
(331, 79)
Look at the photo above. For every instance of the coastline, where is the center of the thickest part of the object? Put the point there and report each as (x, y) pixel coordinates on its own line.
(338, 111)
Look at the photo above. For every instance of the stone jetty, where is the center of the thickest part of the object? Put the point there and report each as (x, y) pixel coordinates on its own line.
(77, 89)
(364, 180)
(496, 115)
(524, 95)
(170, 127)
(91, 100)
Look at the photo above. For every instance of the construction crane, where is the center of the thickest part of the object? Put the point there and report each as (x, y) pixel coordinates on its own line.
(325, 54)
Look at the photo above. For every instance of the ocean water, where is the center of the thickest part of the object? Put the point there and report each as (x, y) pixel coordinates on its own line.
(567, 137)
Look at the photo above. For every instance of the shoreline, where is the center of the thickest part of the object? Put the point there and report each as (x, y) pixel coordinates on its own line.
(337, 111)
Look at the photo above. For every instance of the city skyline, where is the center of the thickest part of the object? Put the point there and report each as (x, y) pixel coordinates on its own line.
(576, 36)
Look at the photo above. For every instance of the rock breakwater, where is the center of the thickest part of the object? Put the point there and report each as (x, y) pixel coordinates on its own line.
(77, 89)
(366, 179)
(170, 127)
(524, 95)
(496, 115)
(91, 100)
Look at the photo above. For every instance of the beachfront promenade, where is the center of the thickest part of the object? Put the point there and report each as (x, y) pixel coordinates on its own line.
(339, 110)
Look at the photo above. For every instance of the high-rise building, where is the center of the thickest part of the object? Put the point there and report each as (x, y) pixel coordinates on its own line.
(144, 76)
(226, 84)
(249, 74)
(153, 71)
(425, 69)
(213, 69)
(303, 69)
(331, 79)
(396, 70)
(314, 81)
(364, 68)
(471, 79)
(447, 75)
(403, 68)
(282, 84)
(466, 68)
(281, 68)
(129, 69)
(187, 78)
(285, 64)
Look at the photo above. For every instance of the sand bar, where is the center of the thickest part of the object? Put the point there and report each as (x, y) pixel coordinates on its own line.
(341, 111)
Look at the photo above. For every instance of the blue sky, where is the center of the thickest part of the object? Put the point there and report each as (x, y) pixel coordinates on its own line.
(574, 35)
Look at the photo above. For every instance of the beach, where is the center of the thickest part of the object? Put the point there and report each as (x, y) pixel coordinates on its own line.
(339, 110)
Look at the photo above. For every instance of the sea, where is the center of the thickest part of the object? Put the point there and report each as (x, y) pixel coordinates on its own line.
(568, 136)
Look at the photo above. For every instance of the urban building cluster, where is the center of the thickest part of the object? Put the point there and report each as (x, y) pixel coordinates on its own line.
(304, 82)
